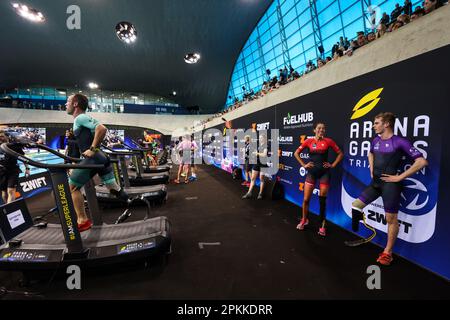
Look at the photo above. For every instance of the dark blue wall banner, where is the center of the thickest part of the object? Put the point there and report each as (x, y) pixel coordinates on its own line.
(419, 98)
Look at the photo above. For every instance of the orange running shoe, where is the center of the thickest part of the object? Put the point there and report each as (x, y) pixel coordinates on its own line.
(385, 258)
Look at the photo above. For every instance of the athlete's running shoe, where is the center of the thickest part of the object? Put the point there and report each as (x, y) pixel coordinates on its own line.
(247, 196)
(322, 232)
(84, 226)
(302, 224)
(385, 258)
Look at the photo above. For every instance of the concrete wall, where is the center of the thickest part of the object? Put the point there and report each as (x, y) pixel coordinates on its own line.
(425, 34)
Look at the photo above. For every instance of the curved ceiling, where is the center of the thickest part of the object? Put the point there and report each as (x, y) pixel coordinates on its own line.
(50, 54)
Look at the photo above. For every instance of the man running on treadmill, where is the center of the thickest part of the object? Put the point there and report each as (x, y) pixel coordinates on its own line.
(385, 157)
(89, 134)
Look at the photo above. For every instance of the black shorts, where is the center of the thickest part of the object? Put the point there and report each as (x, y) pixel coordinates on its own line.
(9, 178)
(257, 167)
(390, 192)
(247, 166)
(323, 176)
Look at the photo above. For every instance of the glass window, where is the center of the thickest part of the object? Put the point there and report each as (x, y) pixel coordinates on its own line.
(273, 19)
(352, 29)
(344, 4)
(286, 6)
(331, 27)
(302, 6)
(295, 50)
(309, 42)
(293, 40)
(322, 4)
(311, 54)
(297, 62)
(269, 56)
(328, 13)
(289, 17)
(352, 13)
(306, 30)
(290, 29)
(276, 40)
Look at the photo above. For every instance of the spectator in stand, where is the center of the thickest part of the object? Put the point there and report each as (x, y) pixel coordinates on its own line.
(265, 88)
(286, 73)
(283, 77)
(328, 59)
(310, 67)
(291, 70)
(361, 40)
(346, 44)
(371, 36)
(320, 63)
(404, 19)
(341, 42)
(339, 53)
(353, 46)
(407, 7)
(381, 30)
(384, 19)
(274, 83)
(418, 12)
(396, 12)
(429, 5)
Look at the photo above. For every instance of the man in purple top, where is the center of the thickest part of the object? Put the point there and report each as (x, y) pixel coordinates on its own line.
(385, 156)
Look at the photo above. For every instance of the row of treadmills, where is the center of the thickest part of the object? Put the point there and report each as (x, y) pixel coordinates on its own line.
(29, 244)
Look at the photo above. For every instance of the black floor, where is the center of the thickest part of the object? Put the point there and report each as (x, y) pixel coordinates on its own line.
(261, 255)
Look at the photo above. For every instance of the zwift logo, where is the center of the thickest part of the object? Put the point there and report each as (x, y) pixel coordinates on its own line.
(366, 104)
(28, 186)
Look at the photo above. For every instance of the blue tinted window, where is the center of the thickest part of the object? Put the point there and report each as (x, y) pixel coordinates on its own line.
(336, 18)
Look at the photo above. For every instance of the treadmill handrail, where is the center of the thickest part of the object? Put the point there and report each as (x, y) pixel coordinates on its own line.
(120, 153)
(140, 148)
(5, 147)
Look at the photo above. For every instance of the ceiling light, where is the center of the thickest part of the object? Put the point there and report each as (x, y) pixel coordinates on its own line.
(126, 32)
(191, 58)
(174, 93)
(92, 85)
(28, 13)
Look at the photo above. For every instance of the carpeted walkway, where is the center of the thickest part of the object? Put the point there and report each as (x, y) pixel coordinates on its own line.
(261, 255)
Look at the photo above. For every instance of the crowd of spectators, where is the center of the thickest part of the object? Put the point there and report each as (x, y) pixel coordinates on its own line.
(400, 16)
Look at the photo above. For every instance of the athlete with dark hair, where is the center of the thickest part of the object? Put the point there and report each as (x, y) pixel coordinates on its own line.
(385, 157)
(89, 134)
(257, 169)
(9, 170)
(318, 170)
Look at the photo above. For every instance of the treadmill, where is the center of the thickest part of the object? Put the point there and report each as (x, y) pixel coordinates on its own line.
(137, 165)
(28, 247)
(137, 178)
(154, 194)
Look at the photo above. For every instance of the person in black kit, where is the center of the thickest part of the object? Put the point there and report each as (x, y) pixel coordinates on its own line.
(256, 170)
(72, 149)
(385, 157)
(247, 165)
(318, 170)
(9, 170)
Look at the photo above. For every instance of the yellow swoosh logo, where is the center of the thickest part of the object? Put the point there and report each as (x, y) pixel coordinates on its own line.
(362, 108)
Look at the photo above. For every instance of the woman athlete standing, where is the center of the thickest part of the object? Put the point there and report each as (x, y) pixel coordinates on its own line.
(318, 169)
